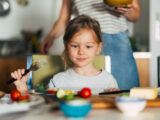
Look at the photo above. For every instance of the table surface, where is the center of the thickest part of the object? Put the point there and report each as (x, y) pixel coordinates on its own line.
(48, 112)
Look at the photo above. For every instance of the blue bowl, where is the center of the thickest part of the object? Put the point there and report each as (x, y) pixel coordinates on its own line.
(76, 108)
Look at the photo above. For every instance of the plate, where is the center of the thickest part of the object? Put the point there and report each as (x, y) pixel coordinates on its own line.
(8, 106)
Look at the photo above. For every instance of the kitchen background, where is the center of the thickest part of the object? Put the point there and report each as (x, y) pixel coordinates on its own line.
(27, 23)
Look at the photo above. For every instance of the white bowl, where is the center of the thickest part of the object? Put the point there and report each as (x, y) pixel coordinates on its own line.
(130, 105)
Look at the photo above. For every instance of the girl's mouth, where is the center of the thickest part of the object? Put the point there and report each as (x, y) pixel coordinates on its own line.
(81, 59)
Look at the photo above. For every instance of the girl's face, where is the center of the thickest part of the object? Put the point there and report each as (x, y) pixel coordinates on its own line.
(83, 47)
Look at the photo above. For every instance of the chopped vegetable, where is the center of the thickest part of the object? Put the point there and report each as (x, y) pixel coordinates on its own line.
(60, 93)
(15, 94)
(85, 92)
(69, 97)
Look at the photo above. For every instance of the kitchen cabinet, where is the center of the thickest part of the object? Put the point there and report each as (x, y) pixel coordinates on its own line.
(143, 66)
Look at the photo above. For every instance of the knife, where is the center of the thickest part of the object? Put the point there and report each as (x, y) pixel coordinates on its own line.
(114, 92)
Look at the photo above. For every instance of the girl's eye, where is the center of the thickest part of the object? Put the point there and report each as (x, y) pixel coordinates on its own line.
(75, 46)
(88, 46)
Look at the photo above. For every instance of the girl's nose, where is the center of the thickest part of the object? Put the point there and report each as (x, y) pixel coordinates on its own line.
(81, 51)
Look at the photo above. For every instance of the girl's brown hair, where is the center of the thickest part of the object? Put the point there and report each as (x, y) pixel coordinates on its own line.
(74, 26)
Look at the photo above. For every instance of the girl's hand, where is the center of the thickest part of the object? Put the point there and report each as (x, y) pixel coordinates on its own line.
(21, 82)
(112, 89)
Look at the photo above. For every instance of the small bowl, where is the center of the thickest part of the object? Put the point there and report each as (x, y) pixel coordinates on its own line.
(130, 105)
(118, 3)
(76, 108)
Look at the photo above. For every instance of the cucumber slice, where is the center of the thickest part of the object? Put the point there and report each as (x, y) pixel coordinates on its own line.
(60, 93)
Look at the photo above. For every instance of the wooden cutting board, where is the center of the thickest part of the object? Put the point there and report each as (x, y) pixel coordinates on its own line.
(107, 101)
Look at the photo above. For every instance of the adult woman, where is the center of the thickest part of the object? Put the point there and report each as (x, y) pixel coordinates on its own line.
(114, 32)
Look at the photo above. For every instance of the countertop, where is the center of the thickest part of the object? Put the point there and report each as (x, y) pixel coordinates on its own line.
(142, 54)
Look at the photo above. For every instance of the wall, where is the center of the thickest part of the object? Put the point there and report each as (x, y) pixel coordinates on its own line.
(154, 44)
(38, 14)
(141, 27)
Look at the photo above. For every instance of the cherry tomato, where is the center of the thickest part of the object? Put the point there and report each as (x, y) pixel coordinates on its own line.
(51, 91)
(15, 94)
(24, 98)
(85, 93)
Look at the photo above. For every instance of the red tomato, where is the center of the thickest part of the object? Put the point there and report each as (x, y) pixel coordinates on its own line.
(15, 94)
(51, 91)
(85, 92)
(24, 98)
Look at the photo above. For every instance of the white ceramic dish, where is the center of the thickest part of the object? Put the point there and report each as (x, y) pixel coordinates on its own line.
(130, 105)
(8, 106)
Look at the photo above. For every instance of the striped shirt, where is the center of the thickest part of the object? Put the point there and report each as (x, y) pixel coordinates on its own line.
(110, 21)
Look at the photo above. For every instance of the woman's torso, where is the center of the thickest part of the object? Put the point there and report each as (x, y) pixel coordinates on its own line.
(110, 21)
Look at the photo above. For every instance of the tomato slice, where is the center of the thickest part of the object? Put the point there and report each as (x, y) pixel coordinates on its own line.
(51, 91)
(24, 98)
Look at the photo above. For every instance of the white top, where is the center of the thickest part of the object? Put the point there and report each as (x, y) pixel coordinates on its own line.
(70, 80)
(110, 22)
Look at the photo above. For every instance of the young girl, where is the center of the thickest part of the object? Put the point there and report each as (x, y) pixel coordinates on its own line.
(82, 40)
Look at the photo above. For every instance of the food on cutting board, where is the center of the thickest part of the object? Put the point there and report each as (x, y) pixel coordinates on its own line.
(70, 94)
(118, 3)
(65, 94)
(51, 91)
(60, 93)
(69, 97)
(1, 94)
(146, 92)
(85, 92)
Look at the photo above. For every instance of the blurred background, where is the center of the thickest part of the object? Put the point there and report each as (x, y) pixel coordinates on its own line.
(25, 23)
(28, 20)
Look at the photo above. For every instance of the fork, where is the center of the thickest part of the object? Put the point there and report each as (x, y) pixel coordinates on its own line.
(35, 66)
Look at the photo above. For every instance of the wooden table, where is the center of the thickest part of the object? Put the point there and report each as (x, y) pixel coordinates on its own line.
(49, 111)
(46, 112)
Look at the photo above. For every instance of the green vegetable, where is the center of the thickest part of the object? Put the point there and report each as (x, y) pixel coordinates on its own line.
(69, 97)
(41, 86)
(124, 94)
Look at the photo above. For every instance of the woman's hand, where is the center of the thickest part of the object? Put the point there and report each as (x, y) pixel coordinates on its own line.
(46, 44)
(21, 82)
(112, 89)
(131, 11)
(59, 26)
(124, 10)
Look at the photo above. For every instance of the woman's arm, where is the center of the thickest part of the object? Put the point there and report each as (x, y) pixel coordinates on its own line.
(59, 26)
(131, 12)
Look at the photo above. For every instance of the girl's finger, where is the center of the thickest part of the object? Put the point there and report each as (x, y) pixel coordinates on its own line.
(16, 74)
(19, 73)
(13, 75)
(22, 71)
